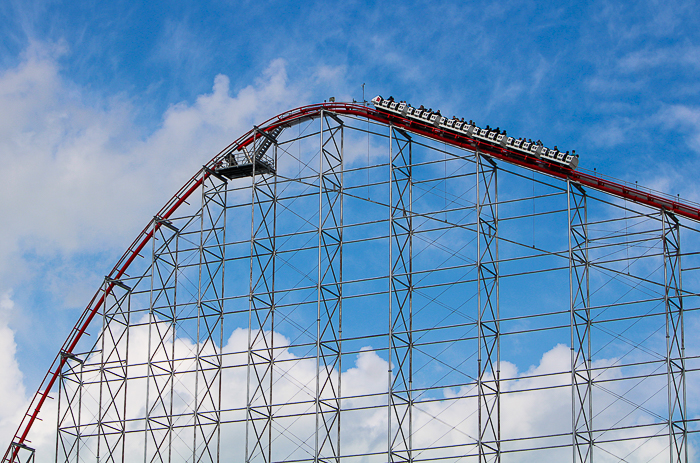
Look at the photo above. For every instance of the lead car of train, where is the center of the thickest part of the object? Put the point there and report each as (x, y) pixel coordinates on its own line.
(491, 136)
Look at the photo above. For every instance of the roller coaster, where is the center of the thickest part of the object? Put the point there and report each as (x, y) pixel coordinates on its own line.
(419, 254)
(493, 137)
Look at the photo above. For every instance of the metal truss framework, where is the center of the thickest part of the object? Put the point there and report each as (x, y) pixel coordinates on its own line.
(400, 418)
(261, 318)
(330, 290)
(162, 318)
(489, 353)
(257, 323)
(581, 370)
(675, 345)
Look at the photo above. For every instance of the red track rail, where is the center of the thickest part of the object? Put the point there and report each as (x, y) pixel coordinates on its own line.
(652, 199)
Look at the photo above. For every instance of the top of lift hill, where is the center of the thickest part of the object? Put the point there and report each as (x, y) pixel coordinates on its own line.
(247, 155)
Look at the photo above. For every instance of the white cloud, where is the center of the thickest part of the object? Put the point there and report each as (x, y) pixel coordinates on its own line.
(11, 385)
(612, 134)
(77, 179)
(14, 401)
(534, 402)
(684, 119)
(643, 60)
(181, 47)
(72, 167)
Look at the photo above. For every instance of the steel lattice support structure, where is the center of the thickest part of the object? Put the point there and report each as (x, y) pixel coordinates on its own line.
(581, 377)
(261, 318)
(248, 321)
(68, 438)
(330, 289)
(210, 320)
(675, 346)
(489, 351)
(162, 320)
(114, 360)
(401, 299)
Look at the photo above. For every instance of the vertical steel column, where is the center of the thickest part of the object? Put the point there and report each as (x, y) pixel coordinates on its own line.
(401, 298)
(261, 316)
(489, 350)
(330, 290)
(210, 319)
(675, 347)
(161, 332)
(114, 339)
(580, 319)
(70, 388)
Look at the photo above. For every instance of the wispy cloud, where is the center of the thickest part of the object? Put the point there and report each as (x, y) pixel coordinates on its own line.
(185, 52)
(649, 58)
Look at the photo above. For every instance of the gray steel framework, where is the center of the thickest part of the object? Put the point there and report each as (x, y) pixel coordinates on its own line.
(114, 360)
(400, 418)
(581, 377)
(675, 353)
(330, 290)
(489, 350)
(210, 320)
(255, 328)
(261, 317)
(162, 319)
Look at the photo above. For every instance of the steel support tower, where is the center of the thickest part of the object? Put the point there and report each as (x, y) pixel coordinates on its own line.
(340, 285)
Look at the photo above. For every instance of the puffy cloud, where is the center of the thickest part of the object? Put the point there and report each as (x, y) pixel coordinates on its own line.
(14, 401)
(11, 385)
(79, 179)
(73, 163)
(535, 402)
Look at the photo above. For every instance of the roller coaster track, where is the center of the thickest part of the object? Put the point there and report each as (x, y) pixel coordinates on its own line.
(616, 188)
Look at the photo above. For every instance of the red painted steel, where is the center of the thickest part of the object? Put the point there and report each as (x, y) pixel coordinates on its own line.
(652, 199)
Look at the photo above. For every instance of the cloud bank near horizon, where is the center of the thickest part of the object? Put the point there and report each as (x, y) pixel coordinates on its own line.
(535, 401)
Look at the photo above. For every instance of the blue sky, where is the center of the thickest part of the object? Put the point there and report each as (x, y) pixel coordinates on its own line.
(595, 75)
(106, 109)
